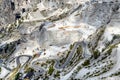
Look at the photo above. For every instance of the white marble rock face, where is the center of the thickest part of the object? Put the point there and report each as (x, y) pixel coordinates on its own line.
(34, 31)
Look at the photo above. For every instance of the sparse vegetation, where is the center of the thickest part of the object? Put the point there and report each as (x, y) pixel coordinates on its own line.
(96, 37)
(64, 58)
(34, 10)
(2, 35)
(79, 50)
(57, 74)
(0, 69)
(96, 54)
(29, 70)
(116, 36)
(50, 71)
(71, 46)
(77, 60)
(13, 73)
(17, 76)
(86, 63)
(110, 48)
(116, 74)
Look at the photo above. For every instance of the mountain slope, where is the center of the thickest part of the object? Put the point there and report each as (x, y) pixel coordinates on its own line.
(59, 39)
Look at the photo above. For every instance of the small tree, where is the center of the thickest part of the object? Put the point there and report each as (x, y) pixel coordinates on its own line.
(96, 54)
(71, 46)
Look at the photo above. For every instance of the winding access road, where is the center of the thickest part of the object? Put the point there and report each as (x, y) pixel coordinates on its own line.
(18, 59)
(69, 56)
(38, 68)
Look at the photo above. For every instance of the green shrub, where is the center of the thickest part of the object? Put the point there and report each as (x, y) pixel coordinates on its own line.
(57, 74)
(51, 69)
(86, 63)
(71, 46)
(96, 54)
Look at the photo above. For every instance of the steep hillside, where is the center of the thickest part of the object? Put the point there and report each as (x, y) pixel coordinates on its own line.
(59, 39)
